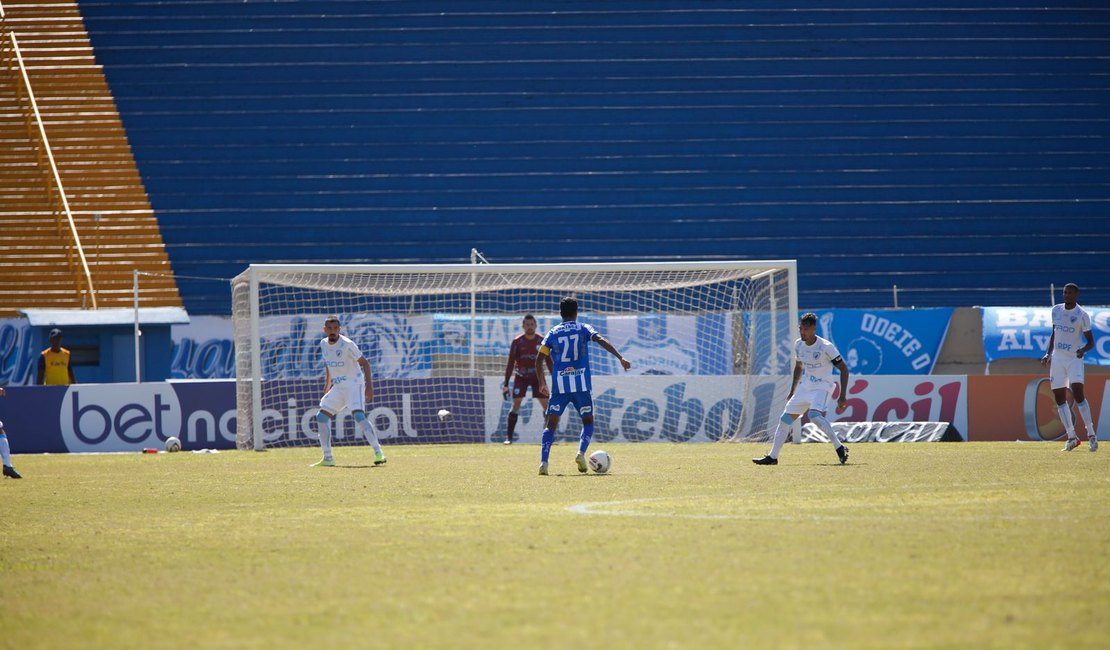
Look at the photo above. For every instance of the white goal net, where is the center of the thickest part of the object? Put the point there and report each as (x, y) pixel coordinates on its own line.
(709, 344)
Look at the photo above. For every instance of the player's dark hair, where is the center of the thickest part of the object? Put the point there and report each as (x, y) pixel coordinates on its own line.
(809, 318)
(529, 317)
(331, 319)
(1071, 285)
(568, 308)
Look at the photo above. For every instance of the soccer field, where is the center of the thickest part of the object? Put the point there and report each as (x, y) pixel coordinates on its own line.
(684, 546)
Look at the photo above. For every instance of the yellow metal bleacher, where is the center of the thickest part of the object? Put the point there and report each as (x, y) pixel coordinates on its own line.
(75, 220)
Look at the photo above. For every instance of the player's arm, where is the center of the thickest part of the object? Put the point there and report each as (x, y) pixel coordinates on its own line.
(798, 369)
(542, 355)
(1048, 353)
(40, 371)
(509, 369)
(842, 401)
(365, 365)
(69, 369)
(625, 363)
(327, 379)
(1090, 344)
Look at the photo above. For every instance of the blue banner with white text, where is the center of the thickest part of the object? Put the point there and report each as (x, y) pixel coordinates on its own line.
(1023, 332)
(886, 341)
(871, 341)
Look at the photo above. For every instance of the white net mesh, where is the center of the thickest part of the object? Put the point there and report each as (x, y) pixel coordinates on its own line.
(706, 342)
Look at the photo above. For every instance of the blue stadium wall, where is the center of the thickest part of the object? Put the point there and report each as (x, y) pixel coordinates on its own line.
(956, 150)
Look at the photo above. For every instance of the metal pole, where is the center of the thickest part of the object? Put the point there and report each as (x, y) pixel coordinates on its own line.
(138, 332)
(473, 311)
(1052, 294)
(896, 296)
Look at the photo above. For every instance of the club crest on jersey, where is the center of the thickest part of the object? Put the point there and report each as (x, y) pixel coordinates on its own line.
(816, 355)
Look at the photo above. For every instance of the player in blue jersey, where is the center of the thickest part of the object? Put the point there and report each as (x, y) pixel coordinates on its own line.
(568, 346)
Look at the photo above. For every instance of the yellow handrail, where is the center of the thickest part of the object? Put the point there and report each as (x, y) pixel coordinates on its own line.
(50, 157)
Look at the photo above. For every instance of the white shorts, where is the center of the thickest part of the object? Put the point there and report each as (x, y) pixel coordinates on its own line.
(1065, 369)
(350, 395)
(809, 397)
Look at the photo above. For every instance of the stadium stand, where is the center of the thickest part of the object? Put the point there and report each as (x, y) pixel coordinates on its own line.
(112, 216)
(958, 152)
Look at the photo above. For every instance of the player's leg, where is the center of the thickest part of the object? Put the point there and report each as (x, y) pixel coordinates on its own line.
(794, 407)
(356, 402)
(367, 429)
(6, 454)
(514, 413)
(816, 414)
(554, 409)
(585, 405)
(1058, 378)
(323, 427)
(330, 404)
(1085, 410)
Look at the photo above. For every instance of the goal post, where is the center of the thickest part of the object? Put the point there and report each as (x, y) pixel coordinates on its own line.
(709, 344)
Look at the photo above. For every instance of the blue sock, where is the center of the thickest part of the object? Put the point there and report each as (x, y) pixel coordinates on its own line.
(584, 439)
(545, 444)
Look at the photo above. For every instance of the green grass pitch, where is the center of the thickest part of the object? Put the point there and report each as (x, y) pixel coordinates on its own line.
(681, 546)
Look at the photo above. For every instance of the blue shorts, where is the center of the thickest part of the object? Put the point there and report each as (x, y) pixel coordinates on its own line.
(582, 401)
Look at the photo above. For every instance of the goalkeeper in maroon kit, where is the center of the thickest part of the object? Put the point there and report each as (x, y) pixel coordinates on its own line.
(521, 369)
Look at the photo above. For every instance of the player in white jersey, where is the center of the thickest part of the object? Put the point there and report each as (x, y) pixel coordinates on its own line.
(812, 388)
(1071, 324)
(5, 450)
(348, 384)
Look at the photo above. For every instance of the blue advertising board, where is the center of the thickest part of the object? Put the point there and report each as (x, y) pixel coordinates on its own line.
(872, 341)
(1023, 332)
(119, 417)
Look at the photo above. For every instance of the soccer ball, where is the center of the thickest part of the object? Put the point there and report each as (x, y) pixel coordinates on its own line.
(173, 444)
(600, 461)
(443, 415)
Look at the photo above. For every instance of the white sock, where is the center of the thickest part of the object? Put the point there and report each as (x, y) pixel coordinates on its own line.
(1085, 411)
(781, 432)
(824, 425)
(371, 436)
(325, 438)
(5, 450)
(1065, 417)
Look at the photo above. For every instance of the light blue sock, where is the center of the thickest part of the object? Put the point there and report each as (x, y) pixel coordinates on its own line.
(584, 439)
(5, 451)
(545, 444)
(323, 425)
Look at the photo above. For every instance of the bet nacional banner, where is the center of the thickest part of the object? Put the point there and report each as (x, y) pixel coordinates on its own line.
(119, 417)
(1023, 332)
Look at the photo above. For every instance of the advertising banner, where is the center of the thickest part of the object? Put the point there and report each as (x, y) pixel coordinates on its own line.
(1022, 407)
(404, 411)
(937, 398)
(698, 409)
(653, 409)
(872, 341)
(17, 358)
(129, 417)
(1023, 332)
(886, 341)
(119, 417)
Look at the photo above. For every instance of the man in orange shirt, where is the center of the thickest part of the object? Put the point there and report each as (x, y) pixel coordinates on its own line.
(54, 368)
